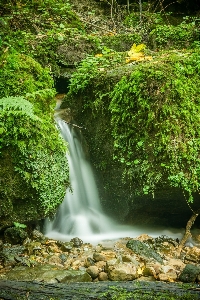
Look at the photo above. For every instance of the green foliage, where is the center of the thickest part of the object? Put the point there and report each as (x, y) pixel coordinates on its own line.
(37, 153)
(21, 74)
(116, 293)
(121, 42)
(37, 28)
(170, 36)
(155, 121)
(94, 66)
(19, 225)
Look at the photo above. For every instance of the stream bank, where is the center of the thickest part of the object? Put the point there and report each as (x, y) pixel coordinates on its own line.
(82, 291)
(67, 270)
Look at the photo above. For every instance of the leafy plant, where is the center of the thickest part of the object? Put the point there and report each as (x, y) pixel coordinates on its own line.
(37, 155)
(19, 225)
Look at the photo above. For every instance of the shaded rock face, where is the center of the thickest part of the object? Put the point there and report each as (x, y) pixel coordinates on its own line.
(14, 235)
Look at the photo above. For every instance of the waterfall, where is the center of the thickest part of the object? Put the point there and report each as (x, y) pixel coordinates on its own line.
(80, 214)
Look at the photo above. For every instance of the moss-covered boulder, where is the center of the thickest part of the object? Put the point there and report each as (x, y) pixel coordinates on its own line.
(33, 167)
(34, 171)
(146, 114)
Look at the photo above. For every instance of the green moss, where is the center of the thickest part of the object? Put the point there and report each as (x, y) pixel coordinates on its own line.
(147, 117)
(184, 35)
(34, 171)
(21, 74)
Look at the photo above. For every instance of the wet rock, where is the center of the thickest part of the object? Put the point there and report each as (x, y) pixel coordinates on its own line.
(89, 262)
(38, 236)
(176, 264)
(47, 273)
(167, 274)
(190, 273)
(143, 250)
(145, 238)
(66, 247)
(99, 257)
(55, 260)
(77, 264)
(192, 255)
(103, 276)
(8, 255)
(122, 271)
(15, 235)
(93, 271)
(165, 244)
(152, 269)
(76, 242)
(33, 247)
(104, 255)
(101, 265)
(63, 258)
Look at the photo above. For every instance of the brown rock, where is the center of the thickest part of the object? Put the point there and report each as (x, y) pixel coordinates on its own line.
(122, 272)
(103, 276)
(55, 260)
(93, 271)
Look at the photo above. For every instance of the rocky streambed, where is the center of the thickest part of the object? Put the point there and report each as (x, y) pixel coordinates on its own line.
(112, 268)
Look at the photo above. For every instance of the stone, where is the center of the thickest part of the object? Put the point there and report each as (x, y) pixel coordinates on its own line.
(76, 242)
(15, 235)
(193, 255)
(55, 260)
(38, 236)
(8, 254)
(93, 271)
(152, 269)
(103, 276)
(47, 273)
(167, 274)
(190, 273)
(176, 264)
(89, 262)
(98, 256)
(145, 237)
(122, 272)
(66, 247)
(143, 250)
(146, 278)
(101, 265)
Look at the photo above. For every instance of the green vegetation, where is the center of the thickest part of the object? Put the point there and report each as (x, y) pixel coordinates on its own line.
(115, 293)
(35, 160)
(144, 104)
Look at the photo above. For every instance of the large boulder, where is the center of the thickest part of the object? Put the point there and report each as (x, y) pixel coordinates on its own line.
(47, 273)
(190, 273)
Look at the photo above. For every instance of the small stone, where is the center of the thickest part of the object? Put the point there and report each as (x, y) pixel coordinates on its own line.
(55, 260)
(66, 247)
(101, 265)
(93, 271)
(38, 236)
(103, 276)
(76, 242)
(122, 272)
(99, 257)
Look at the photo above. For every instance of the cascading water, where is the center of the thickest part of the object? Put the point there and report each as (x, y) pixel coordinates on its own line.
(80, 214)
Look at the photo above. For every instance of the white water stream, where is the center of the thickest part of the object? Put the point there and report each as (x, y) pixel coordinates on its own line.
(80, 215)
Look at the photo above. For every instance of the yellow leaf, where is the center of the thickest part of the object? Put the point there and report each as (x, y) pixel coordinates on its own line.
(98, 55)
(136, 49)
(140, 271)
